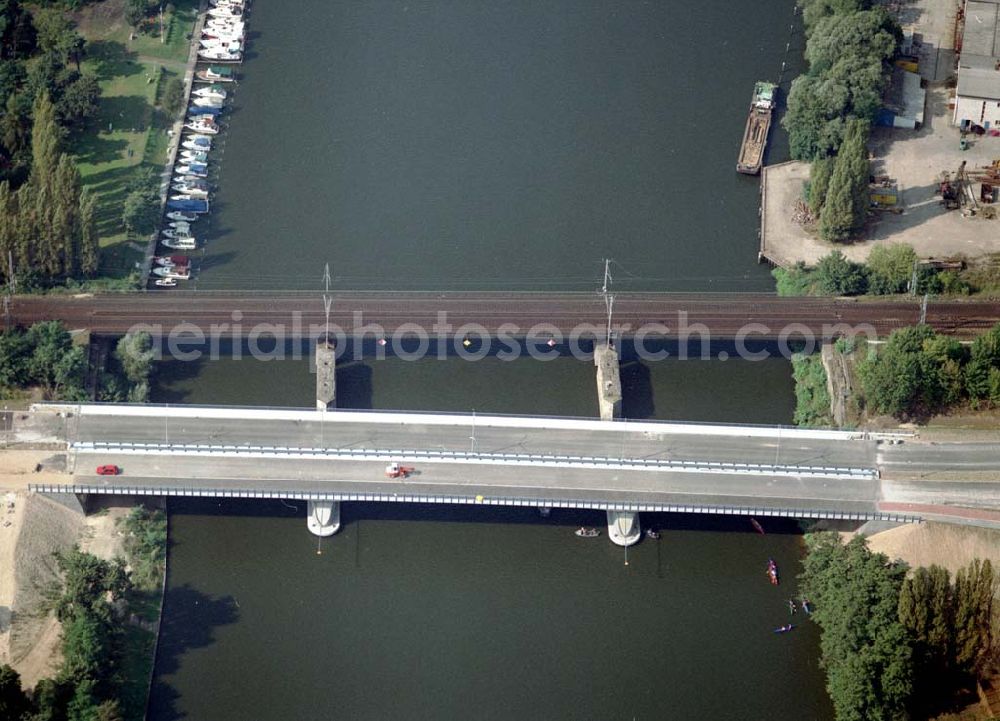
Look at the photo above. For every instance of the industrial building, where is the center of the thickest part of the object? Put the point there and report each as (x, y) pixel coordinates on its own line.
(977, 95)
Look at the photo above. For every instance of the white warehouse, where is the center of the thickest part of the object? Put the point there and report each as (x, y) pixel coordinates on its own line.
(977, 97)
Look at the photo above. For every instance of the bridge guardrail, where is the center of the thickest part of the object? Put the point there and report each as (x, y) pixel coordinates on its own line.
(500, 500)
(454, 456)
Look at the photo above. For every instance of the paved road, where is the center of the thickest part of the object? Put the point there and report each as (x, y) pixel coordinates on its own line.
(465, 436)
(723, 314)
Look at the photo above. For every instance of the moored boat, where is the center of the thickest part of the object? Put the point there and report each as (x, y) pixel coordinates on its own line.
(181, 216)
(200, 126)
(195, 169)
(190, 191)
(180, 243)
(758, 124)
(210, 91)
(165, 282)
(187, 157)
(188, 205)
(176, 272)
(174, 234)
(209, 102)
(193, 143)
(216, 74)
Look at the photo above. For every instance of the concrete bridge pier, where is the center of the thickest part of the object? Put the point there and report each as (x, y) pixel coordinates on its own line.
(609, 381)
(323, 517)
(326, 375)
(623, 527)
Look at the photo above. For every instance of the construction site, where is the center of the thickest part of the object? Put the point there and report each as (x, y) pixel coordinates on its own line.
(934, 187)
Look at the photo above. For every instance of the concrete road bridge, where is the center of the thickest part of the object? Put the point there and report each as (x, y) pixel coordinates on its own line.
(326, 457)
(522, 314)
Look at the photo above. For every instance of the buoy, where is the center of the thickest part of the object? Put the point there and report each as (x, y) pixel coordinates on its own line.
(381, 341)
(551, 342)
(466, 342)
(479, 499)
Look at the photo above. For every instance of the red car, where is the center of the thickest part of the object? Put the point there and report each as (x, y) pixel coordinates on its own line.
(108, 470)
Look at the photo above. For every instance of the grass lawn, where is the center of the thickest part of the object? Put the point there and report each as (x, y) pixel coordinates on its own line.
(104, 21)
(129, 131)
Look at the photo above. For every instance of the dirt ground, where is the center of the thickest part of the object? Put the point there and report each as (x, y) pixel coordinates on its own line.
(32, 530)
(947, 545)
(17, 469)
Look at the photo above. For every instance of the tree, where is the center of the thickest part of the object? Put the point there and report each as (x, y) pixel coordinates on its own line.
(819, 183)
(15, 352)
(135, 11)
(79, 101)
(57, 36)
(173, 95)
(846, 206)
(815, 10)
(109, 711)
(87, 580)
(46, 141)
(865, 649)
(89, 241)
(926, 610)
(870, 34)
(901, 379)
(975, 587)
(839, 276)
(983, 358)
(14, 703)
(134, 353)
(891, 267)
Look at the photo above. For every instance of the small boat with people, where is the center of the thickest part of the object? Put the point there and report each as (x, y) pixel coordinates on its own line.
(651, 534)
(181, 217)
(587, 532)
(216, 74)
(772, 571)
(784, 629)
(792, 608)
(807, 607)
(756, 525)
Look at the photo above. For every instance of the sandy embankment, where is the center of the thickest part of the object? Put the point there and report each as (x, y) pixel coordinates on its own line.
(946, 545)
(32, 529)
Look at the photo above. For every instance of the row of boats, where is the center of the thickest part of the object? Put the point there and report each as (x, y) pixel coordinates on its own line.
(188, 198)
(224, 32)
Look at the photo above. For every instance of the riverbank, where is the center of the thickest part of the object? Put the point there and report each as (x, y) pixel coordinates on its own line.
(131, 130)
(33, 528)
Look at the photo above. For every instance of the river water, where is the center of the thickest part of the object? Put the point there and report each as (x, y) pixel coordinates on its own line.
(471, 145)
(440, 144)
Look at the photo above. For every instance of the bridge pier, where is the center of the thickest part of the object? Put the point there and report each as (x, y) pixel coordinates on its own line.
(323, 517)
(609, 381)
(623, 527)
(326, 375)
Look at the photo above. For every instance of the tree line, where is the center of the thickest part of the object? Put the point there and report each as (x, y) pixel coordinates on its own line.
(894, 644)
(90, 603)
(40, 54)
(849, 46)
(919, 372)
(44, 357)
(48, 227)
(889, 269)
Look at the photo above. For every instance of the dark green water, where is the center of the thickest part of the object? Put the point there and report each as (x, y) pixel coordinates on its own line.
(487, 145)
(502, 144)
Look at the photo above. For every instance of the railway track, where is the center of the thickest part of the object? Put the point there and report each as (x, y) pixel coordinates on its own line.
(667, 315)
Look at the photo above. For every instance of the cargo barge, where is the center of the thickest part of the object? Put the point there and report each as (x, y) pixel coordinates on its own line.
(758, 125)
